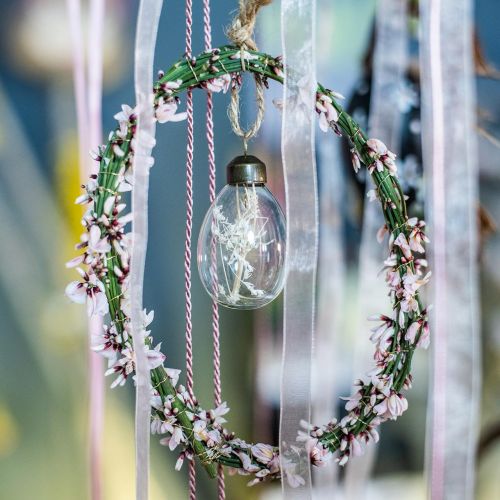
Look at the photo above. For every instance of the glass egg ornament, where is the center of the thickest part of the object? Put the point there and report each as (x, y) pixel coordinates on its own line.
(241, 246)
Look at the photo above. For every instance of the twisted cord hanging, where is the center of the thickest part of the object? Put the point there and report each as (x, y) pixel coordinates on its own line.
(221, 487)
(189, 228)
(241, 34)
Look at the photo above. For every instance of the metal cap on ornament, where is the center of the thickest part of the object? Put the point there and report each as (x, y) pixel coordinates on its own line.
(246, 170)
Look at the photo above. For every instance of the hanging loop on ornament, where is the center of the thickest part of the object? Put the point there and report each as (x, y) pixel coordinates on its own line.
(241, 34)
(234, 113)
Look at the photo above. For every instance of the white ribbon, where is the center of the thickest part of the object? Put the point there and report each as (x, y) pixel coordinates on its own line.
(147, 28)
(450, 161)
(88, 94)
(389, 65)
(298, 37)
(330, 305)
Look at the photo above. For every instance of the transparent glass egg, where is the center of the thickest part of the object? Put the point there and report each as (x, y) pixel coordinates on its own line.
(241, 247)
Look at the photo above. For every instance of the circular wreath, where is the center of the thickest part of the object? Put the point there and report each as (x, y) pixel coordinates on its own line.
(104, 286)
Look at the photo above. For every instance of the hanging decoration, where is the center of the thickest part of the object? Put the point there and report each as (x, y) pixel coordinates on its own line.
(105, 283)
(247, 227)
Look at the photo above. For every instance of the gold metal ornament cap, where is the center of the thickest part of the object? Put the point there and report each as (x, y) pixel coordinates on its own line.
(246, 170)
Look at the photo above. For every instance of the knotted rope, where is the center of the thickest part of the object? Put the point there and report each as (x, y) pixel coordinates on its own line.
(241, 34)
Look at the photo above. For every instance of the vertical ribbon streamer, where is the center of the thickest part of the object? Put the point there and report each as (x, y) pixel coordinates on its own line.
(297, 146)
(450, 160)
(390, 63)
(147, 28)
(88, 110)
(331, 286)
(95, 66)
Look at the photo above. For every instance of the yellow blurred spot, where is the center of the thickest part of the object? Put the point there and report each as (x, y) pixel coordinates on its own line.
(9, 433)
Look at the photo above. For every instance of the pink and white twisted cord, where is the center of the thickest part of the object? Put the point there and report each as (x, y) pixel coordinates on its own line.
(207, 29)
(189, 229)
(187, 251)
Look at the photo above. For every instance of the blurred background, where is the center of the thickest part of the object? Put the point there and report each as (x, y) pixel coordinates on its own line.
(43, 358)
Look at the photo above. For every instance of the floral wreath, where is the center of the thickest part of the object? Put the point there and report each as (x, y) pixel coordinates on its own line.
(104, 287)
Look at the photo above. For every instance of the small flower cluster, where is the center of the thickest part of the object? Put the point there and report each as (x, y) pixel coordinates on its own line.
(378, 395)
(328, 115)
(261, 460)
(106, 245)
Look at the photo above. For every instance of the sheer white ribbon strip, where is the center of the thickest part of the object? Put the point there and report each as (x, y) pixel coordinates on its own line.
(88, 94)
(390, 62)
(450, 161)
(331, 288)
(298, 37)
(147, 28)
(96, 362)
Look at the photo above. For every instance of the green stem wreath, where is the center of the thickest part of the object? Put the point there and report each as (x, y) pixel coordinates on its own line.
(104, 286)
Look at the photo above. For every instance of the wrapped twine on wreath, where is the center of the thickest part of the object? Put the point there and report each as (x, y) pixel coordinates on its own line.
(241, 34)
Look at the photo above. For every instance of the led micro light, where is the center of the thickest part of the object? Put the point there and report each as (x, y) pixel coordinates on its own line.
(241, 247)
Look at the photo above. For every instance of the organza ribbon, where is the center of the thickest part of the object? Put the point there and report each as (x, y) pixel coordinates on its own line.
(390, 62)
(94, 72)
(298, 37)
(331, 286)
(449, 142)
(147, 28)
(89, 116)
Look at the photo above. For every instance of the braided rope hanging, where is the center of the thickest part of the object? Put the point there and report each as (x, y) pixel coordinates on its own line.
(241, 34)
(209, 123)
(189, 229)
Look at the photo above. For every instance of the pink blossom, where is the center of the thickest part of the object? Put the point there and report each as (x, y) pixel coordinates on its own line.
(263, 453)
(355, 159)
(392, 407)
(217, 414)
(200, 430)
(173, 375)
(402, 243)
(108, 343)
(417, 235)
(167, 111)
(352, 401)
(180, 461)
(382, 232)
(170, 86)
(376, 148)
(91, 291)
(246, 462)
(327, 112)
(219, 84)
(412, 331)
(125, 114)
(175, 439)
(424, 340)
(381, 156)
(96, 244)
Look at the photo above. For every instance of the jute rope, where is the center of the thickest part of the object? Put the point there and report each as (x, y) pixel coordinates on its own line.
(241, 34)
